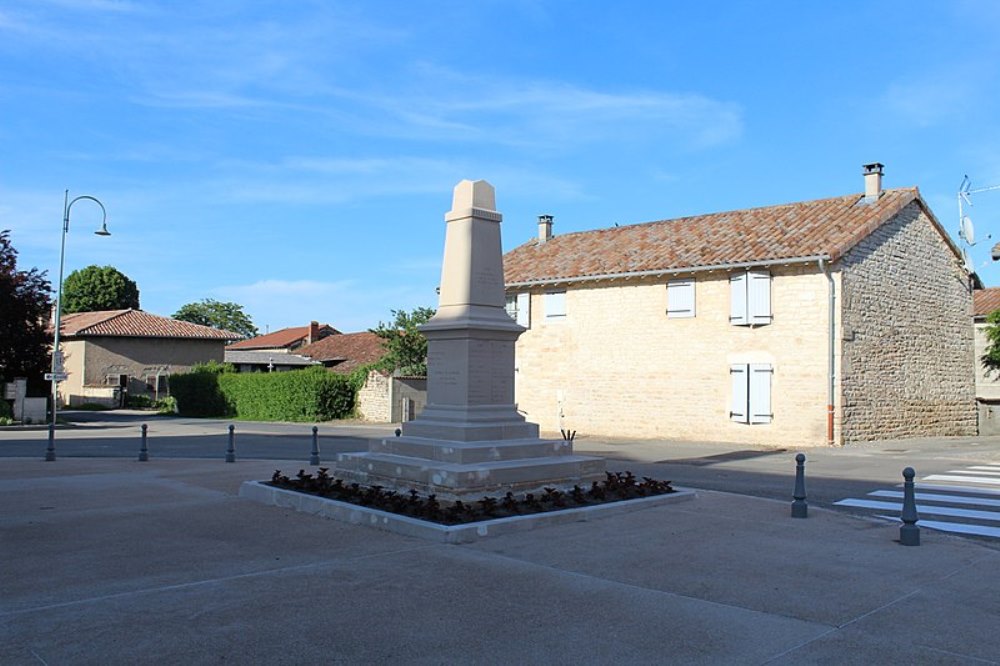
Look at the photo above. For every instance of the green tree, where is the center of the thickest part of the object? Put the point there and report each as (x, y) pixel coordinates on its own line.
(25, 307)
(991, 358)
(225, 316)
(406, 347)
(99, 288)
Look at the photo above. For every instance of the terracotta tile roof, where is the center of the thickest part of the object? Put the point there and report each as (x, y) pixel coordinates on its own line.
(286, 337)
(136, 324)
(348, 350)
(985, 301)
(825, 227)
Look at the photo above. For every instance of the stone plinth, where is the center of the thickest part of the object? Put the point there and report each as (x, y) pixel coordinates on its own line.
(470, 438)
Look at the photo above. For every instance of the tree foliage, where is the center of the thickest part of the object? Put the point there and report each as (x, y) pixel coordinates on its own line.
(991, 358)
(25, 308)
(99, 288)
(406, 346)
(225, 316)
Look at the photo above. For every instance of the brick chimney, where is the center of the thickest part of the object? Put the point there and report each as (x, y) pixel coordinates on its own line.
(544, 228)
(873, 180)
(313, 332)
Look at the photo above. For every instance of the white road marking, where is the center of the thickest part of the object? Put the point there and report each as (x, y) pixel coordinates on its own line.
(943, 499)
(960, 528)
(992, 481)
(960, 489)
(923, 509)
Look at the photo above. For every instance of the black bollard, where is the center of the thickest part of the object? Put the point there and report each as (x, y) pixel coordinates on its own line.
(909, 533)
(50, 452)
(399, 431)
(314, 456)
(799, 507)
(143, 451)
(231, 451)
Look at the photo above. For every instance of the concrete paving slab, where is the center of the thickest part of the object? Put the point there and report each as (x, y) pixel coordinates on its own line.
(161, 562)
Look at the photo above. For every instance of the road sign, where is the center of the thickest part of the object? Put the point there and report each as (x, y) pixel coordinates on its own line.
(56, 376)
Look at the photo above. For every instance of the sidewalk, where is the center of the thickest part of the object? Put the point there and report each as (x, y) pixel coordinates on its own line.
(113, 561)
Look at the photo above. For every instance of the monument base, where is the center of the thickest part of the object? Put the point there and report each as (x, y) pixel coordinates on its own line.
(454, 470)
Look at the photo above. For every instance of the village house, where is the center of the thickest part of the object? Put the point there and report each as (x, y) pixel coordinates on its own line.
(986, 301)
(823, 322)
(111, 354)
(285, 340)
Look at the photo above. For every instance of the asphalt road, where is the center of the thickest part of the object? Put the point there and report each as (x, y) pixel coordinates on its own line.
(832, 474)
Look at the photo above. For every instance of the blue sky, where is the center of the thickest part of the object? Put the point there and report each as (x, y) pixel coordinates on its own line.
(298, 157)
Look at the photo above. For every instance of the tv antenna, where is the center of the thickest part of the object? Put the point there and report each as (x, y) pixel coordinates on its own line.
(966, 231)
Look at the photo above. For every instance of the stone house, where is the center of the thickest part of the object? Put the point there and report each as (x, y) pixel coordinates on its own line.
(985, 301)
(822, 322)
(285, 340)
(110, 352)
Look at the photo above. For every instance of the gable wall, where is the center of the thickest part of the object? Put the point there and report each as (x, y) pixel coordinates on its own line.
(908, 367)
(92, 359)
(616, 366)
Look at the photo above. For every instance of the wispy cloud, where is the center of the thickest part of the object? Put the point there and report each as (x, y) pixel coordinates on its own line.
(349, 305)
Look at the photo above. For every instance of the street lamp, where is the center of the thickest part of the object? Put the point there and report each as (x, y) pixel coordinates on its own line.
(57, 374)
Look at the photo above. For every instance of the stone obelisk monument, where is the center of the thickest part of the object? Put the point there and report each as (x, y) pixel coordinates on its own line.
(470, 439)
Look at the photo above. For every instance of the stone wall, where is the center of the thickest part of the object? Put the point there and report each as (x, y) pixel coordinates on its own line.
(908, 368)
(617, 366)
(374, 399)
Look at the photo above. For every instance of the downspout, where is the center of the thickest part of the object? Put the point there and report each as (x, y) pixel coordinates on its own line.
(831, 336)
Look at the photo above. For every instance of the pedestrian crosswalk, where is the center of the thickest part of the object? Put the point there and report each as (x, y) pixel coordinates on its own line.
(964, 501)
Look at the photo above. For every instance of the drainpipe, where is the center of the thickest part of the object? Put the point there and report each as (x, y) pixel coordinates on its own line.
(832, 299)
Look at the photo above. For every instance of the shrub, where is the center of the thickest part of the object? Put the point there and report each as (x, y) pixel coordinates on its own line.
(197, 393)
(6, 411)
(138, 402)
(92, 407)
(166, 405)
(301, 395)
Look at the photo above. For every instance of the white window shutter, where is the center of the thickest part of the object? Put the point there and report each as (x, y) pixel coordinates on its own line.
(680, 298)
(738, 299)
(524, 309)
(555, 304)
(760, 393)
(738, 404)
(759, 297)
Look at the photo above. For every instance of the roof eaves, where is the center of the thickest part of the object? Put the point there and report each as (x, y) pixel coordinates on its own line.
(671, 271)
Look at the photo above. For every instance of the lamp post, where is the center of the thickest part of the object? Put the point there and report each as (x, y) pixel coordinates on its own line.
(57, 366)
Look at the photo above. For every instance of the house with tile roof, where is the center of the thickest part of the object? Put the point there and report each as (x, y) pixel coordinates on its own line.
(114, 352)
(822, 322)
(985, 301)
(286, 340)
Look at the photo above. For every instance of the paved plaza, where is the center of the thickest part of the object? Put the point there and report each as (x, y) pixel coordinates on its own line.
(113, 561)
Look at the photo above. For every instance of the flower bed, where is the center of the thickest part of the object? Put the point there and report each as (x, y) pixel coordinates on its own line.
(617, 486)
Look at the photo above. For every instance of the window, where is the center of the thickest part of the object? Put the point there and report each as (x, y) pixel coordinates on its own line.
(555, 304)
(750, 298)
(519, 308)
(751, 401)
(680, 298)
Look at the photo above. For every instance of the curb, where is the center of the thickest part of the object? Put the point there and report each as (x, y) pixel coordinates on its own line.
(259, 491)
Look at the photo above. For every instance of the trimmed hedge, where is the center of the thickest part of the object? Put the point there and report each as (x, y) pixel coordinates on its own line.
(314, 394)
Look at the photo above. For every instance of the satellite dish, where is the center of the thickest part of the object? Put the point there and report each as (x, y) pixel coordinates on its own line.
(967, 231)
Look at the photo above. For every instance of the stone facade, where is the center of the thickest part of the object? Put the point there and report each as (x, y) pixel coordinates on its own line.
(385, 399)
(374, 398)
(907, 344)
(617, 365)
